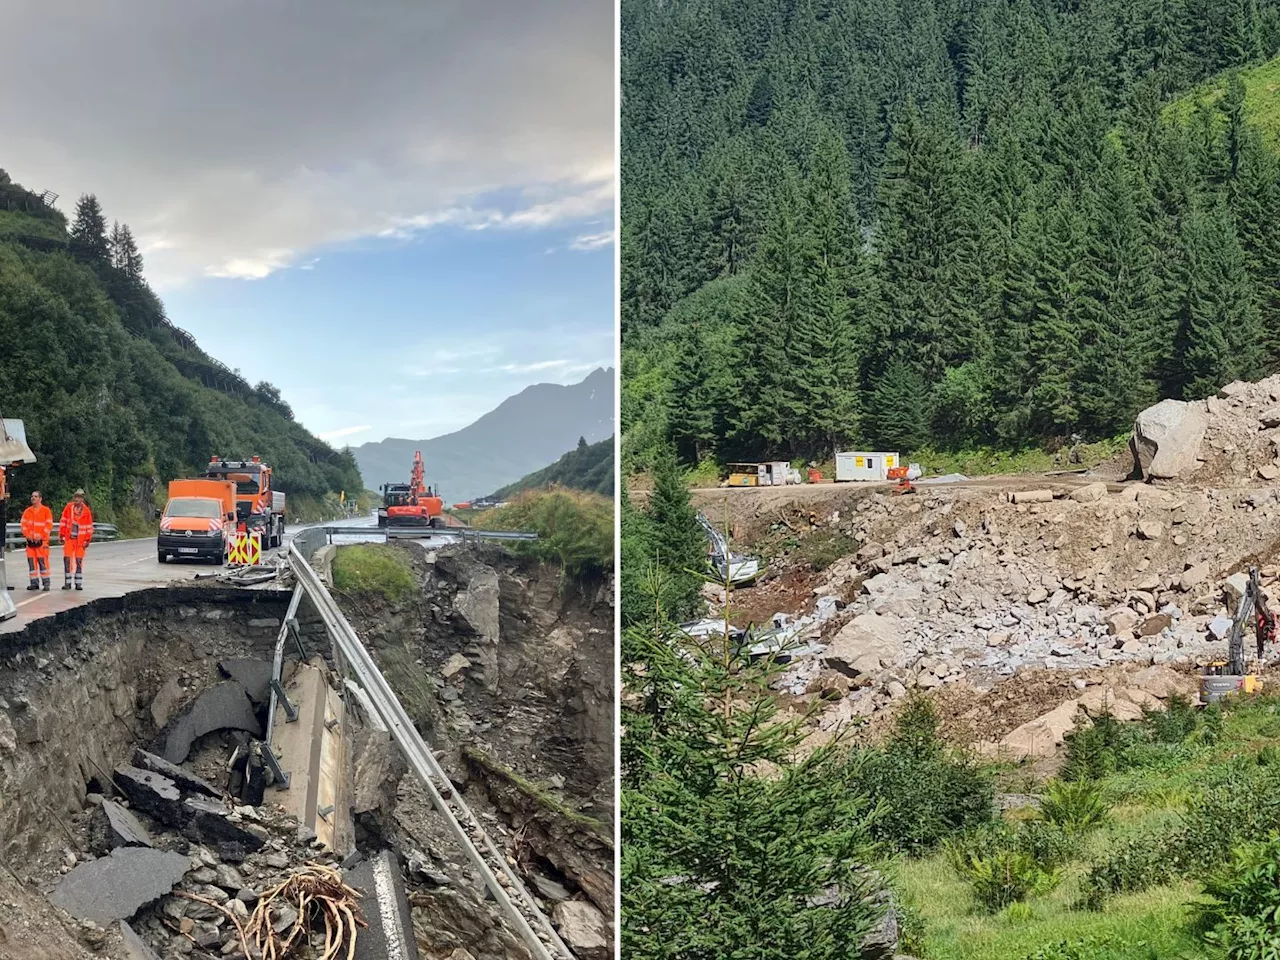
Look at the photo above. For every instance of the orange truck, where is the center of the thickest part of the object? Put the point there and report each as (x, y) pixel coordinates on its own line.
(198, 521)
(259, 506)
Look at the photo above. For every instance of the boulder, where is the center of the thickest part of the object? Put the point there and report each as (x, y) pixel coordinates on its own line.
(1270, 417)
(1163, 682)
(1155, 624)
(1042, 736)
(1166, 439)
(866, 645)
(1150, 529)
(1121, 622)
(1193, 576)
(583, 929)
(1091, 493)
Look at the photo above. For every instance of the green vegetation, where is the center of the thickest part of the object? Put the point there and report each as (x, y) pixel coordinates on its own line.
(575, 529)
(540, 795)
(588, 467)
(114, 397)
(939, 226)
(664, 551)
(1161, 853)
(377, 568)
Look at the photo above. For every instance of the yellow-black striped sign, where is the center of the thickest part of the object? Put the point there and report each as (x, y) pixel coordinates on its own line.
(246, 550)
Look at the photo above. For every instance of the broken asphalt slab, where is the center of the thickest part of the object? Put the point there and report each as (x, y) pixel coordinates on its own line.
(155, 795)
(118, 886)
(121, 828)
(187, 782)
(224, 706)
(209, 821)
(253, 675)
(135, 948)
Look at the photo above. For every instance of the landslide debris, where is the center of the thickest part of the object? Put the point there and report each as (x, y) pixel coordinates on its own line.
(983, 588)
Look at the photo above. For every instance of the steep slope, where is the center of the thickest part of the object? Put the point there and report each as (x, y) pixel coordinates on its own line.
(937, 224)
(522, 434)
(587, 467)
(116, 399)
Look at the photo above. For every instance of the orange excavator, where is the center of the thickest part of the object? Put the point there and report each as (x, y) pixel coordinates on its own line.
(422, 507)
(904, 476)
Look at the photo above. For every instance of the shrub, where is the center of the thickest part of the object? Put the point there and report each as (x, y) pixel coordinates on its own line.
(1007, 876)
(1174, 724)
(1075, 806)
(927, 792)
(1091, 948)
(575, 529)
(1093, 750)
(1242, 914)
(1132, 864)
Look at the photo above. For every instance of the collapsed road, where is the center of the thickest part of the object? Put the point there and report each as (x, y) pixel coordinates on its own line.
(173, 758)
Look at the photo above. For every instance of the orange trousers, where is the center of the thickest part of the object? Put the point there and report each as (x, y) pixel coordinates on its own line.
(38, 565)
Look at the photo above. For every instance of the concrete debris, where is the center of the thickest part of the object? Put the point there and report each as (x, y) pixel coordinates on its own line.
(116, 887)
(224, 706)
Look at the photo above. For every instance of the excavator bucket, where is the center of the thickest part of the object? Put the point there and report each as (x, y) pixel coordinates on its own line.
(13, 443)
(13, 450)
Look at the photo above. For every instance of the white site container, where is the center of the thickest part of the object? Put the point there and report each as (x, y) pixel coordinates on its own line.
(863, 465)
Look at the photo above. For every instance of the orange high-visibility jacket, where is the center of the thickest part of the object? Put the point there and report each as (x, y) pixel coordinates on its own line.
(77, 524)
(37, 523)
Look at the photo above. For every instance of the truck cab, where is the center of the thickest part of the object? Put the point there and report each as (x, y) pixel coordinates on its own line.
(260, 508)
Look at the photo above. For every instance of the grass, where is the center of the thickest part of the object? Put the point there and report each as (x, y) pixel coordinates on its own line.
(1150, 797)
(16, 222)
(1261, 100)
(538, 794)
(574, 528)
(373, 568)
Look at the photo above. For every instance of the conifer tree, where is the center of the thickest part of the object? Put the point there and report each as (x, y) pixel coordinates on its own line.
(89, 231)
(676, 541)
(1219, 327)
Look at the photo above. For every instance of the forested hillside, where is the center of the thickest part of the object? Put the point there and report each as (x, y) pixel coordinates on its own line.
(911, 223)
(115, 398)
(587, 467)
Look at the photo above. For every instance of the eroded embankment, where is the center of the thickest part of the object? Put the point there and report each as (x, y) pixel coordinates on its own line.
(508, 671)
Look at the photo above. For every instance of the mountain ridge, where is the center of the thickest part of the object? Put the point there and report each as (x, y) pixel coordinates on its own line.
(522, 434)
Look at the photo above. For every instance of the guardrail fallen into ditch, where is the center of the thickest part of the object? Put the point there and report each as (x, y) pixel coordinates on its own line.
(349, 654)
(13, 534)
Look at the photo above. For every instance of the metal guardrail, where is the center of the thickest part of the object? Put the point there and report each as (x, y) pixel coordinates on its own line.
(505, 887)
(13, 534)
(426, 533)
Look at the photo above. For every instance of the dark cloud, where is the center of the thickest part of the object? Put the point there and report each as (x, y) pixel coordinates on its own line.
(236, 135)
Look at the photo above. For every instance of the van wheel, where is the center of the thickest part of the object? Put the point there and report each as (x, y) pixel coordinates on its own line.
(160, 556)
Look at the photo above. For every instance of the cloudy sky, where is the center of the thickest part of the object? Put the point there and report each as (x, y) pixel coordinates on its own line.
(398, 211)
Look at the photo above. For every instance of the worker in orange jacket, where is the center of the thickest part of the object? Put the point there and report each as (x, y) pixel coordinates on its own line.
(37, 528)
(75, 530)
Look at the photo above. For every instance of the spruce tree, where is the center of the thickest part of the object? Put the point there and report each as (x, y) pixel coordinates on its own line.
(1255, 199)
(1118, 347)
(767, 399)
(1219, 327)
(899, 407)
(676, 541)
(89, 231)
(124, 252)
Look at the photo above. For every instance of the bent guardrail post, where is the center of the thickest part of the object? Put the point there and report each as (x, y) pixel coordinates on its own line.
(509, 892)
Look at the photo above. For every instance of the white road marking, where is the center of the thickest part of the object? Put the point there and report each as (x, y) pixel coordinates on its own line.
(387, 910)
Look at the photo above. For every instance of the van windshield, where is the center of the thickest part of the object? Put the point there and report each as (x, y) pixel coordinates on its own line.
(192, 507)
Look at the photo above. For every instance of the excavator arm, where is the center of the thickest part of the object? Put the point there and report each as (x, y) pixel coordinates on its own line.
(1253, 601)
